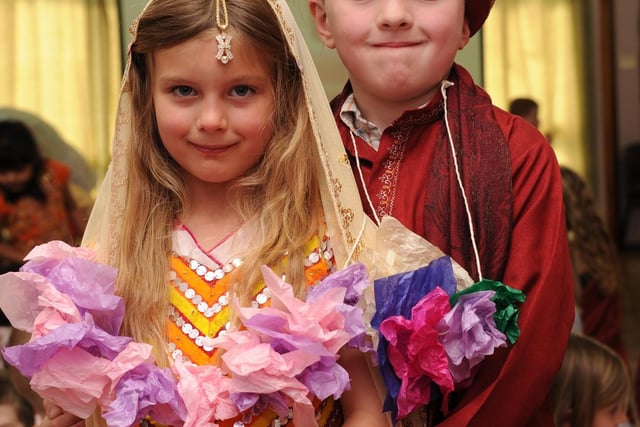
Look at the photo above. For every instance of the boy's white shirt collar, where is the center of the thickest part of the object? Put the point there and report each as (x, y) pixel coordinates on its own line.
(352, 117)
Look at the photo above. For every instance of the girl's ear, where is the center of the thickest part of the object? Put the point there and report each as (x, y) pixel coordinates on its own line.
(466, 35)
(321, 20)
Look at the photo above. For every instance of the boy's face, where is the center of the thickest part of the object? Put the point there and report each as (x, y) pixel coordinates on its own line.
(394, 50)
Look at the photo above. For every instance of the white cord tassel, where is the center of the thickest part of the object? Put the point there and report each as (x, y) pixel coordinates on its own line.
(443, 89)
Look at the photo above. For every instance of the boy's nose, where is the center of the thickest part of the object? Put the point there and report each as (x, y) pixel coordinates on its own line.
(394, 14)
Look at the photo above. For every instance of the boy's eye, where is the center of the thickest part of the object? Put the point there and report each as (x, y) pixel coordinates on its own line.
(241, 91)
(183, 90)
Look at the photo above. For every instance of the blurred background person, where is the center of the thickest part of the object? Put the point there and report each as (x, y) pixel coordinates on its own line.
(596, 264)
(36, 206)
(526, 108)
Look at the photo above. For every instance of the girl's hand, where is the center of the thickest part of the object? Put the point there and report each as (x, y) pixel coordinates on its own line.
(362, 405)
(56, 417)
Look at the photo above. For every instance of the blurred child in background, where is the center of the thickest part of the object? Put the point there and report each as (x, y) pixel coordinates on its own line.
(36, 206)
(594, 256)
(35, 201)
(593, 386)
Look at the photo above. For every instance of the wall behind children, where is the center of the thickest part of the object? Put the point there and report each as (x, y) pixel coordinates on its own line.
(60, 63)
(329, 67)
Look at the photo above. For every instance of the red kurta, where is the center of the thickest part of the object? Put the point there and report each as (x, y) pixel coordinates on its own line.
(512, 182)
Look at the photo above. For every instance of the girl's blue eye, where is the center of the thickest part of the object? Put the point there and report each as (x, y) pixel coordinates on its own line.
(183, 90)
(241, 90)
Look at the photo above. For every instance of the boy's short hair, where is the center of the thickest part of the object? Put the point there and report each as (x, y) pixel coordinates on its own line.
(476, 12)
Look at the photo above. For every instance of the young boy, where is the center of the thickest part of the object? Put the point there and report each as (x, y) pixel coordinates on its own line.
(423, 133)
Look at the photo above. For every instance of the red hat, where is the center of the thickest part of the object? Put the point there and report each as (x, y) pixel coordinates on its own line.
(476, 12)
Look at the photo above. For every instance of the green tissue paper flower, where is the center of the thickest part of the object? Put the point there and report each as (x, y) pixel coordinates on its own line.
(505, 299)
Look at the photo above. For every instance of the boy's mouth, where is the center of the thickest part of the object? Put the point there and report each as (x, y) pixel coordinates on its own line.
(396, 44)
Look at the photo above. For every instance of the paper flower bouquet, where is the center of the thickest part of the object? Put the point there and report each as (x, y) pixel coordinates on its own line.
(431, 337)
(285, 356)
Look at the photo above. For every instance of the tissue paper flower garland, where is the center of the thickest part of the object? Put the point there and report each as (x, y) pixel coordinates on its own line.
(290, 348)
(431, 337)
(286, 354)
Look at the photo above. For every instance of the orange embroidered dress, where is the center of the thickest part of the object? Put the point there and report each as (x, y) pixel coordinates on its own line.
(199, 296)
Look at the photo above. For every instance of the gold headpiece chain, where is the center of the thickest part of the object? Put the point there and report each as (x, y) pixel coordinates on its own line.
(224, 39)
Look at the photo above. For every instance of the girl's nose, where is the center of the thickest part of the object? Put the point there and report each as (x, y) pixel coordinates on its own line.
(394, 14)
(212, 116)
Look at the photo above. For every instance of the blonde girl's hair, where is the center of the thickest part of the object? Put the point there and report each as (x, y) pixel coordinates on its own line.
(592, 377)
(281, 193)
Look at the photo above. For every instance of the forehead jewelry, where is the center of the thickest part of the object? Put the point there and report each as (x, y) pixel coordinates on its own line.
(224, 39)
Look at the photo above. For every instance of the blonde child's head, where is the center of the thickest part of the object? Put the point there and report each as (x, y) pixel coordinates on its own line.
(166, 23)
(280, 193)
(592, 384)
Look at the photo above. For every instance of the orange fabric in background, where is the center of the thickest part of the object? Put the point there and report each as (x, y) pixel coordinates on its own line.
(30, 222)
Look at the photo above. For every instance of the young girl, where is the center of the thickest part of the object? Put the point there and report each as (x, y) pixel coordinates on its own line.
(593, 386)
(215, 172)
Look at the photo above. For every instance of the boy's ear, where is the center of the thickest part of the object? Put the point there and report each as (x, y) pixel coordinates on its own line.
(466, 34)
(321, 20)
